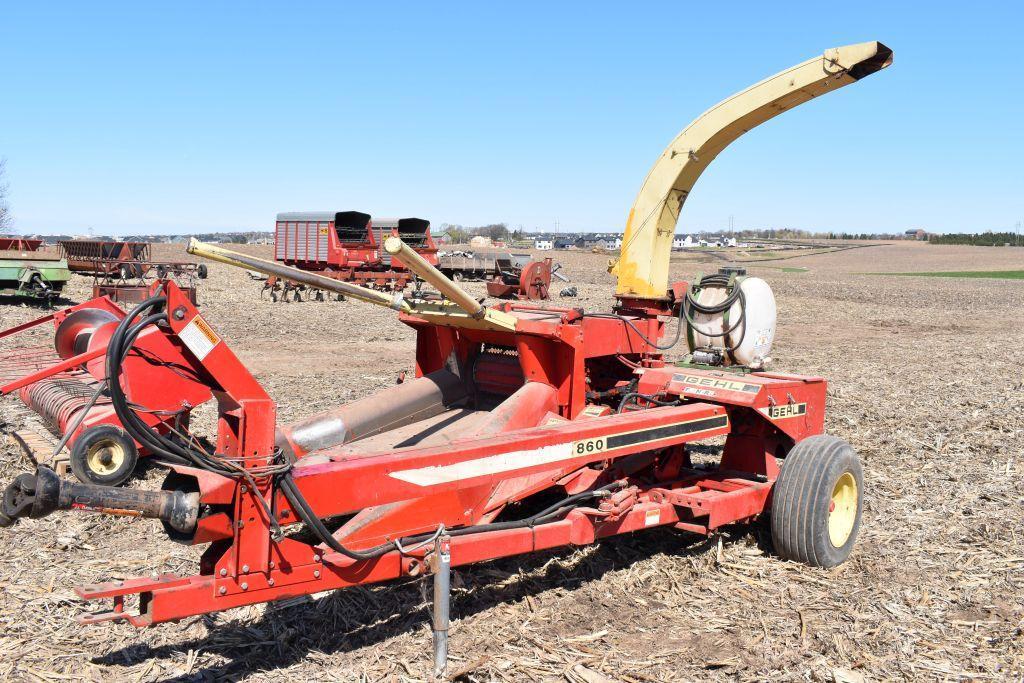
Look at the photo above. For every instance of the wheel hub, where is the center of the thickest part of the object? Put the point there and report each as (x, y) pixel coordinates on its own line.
(105, 457)
(842, 510)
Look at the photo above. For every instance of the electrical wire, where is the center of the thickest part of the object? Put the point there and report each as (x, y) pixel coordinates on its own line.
(629, 323)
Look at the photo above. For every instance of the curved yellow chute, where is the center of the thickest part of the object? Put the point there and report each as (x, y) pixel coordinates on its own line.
(642, 268)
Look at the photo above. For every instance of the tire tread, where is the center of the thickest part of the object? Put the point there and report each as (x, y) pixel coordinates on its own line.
(799, 531)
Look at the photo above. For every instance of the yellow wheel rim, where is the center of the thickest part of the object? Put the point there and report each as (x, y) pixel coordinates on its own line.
(842, 510)
(105, 457)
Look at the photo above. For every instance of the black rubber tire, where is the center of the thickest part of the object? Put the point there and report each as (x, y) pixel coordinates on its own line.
(87, 440)
(802, 498)
(161, 272)
(202, 271)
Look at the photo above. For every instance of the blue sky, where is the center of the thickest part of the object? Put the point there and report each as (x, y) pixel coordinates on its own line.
(181, 117)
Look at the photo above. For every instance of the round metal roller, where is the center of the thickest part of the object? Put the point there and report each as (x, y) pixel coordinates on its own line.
(73, 333)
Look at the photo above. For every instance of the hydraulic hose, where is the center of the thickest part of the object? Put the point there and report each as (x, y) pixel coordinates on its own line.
(690, 304)
(629, 323)
(316, 525)
(118, 348)
(635, 397)
(167, 449)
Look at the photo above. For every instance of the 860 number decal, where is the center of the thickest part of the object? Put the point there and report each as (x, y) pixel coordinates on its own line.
(589, 446)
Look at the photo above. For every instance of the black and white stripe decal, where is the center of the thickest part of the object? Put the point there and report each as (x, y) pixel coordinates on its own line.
(554, 453)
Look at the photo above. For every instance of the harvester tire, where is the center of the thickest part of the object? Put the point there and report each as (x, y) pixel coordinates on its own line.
(816, 502)
(104, 454)
(202, 271)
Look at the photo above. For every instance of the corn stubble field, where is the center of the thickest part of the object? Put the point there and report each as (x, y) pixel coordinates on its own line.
(925, 382)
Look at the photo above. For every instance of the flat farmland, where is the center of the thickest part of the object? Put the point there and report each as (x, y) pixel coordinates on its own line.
(925, 381)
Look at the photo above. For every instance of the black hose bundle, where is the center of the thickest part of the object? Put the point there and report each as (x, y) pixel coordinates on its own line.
(169, 450)
(175, 452)
(316, 525)
(172, 451)
(635, 397)
(734, 294)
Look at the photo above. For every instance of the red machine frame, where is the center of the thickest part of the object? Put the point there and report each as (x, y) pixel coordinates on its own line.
(549, 433)
(528, 403)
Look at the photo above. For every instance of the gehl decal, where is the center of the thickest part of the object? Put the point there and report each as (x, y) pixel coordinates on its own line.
(784, 411)
(715, 383)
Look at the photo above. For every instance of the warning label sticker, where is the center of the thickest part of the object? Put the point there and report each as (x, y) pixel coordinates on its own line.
(199, 337)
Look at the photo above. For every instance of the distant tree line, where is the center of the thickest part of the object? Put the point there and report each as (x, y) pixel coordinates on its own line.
(793, 234)
(496, 231)
(983, 239)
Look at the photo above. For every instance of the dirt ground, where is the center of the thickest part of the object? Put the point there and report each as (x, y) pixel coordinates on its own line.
(925, 382)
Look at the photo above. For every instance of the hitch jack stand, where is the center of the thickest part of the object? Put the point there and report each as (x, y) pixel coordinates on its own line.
(442, 599)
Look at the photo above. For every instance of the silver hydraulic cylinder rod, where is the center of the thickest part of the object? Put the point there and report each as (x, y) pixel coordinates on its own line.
(385, 410)
(442, 604)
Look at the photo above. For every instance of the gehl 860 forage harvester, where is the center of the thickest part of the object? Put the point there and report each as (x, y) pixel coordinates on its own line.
(526, 428)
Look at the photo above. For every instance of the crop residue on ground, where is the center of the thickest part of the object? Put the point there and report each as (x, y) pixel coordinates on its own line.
(924, 380)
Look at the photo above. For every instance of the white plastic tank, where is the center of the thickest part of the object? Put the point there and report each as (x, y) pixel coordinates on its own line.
(752, 338)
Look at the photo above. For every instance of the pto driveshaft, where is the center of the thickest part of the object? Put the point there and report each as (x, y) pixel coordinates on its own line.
(38, 495)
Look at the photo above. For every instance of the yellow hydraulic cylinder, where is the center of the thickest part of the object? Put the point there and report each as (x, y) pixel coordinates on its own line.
(419, 265)
(234, 258)
(473, 314)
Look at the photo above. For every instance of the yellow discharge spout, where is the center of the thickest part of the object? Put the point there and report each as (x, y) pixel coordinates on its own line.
(642, 268)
